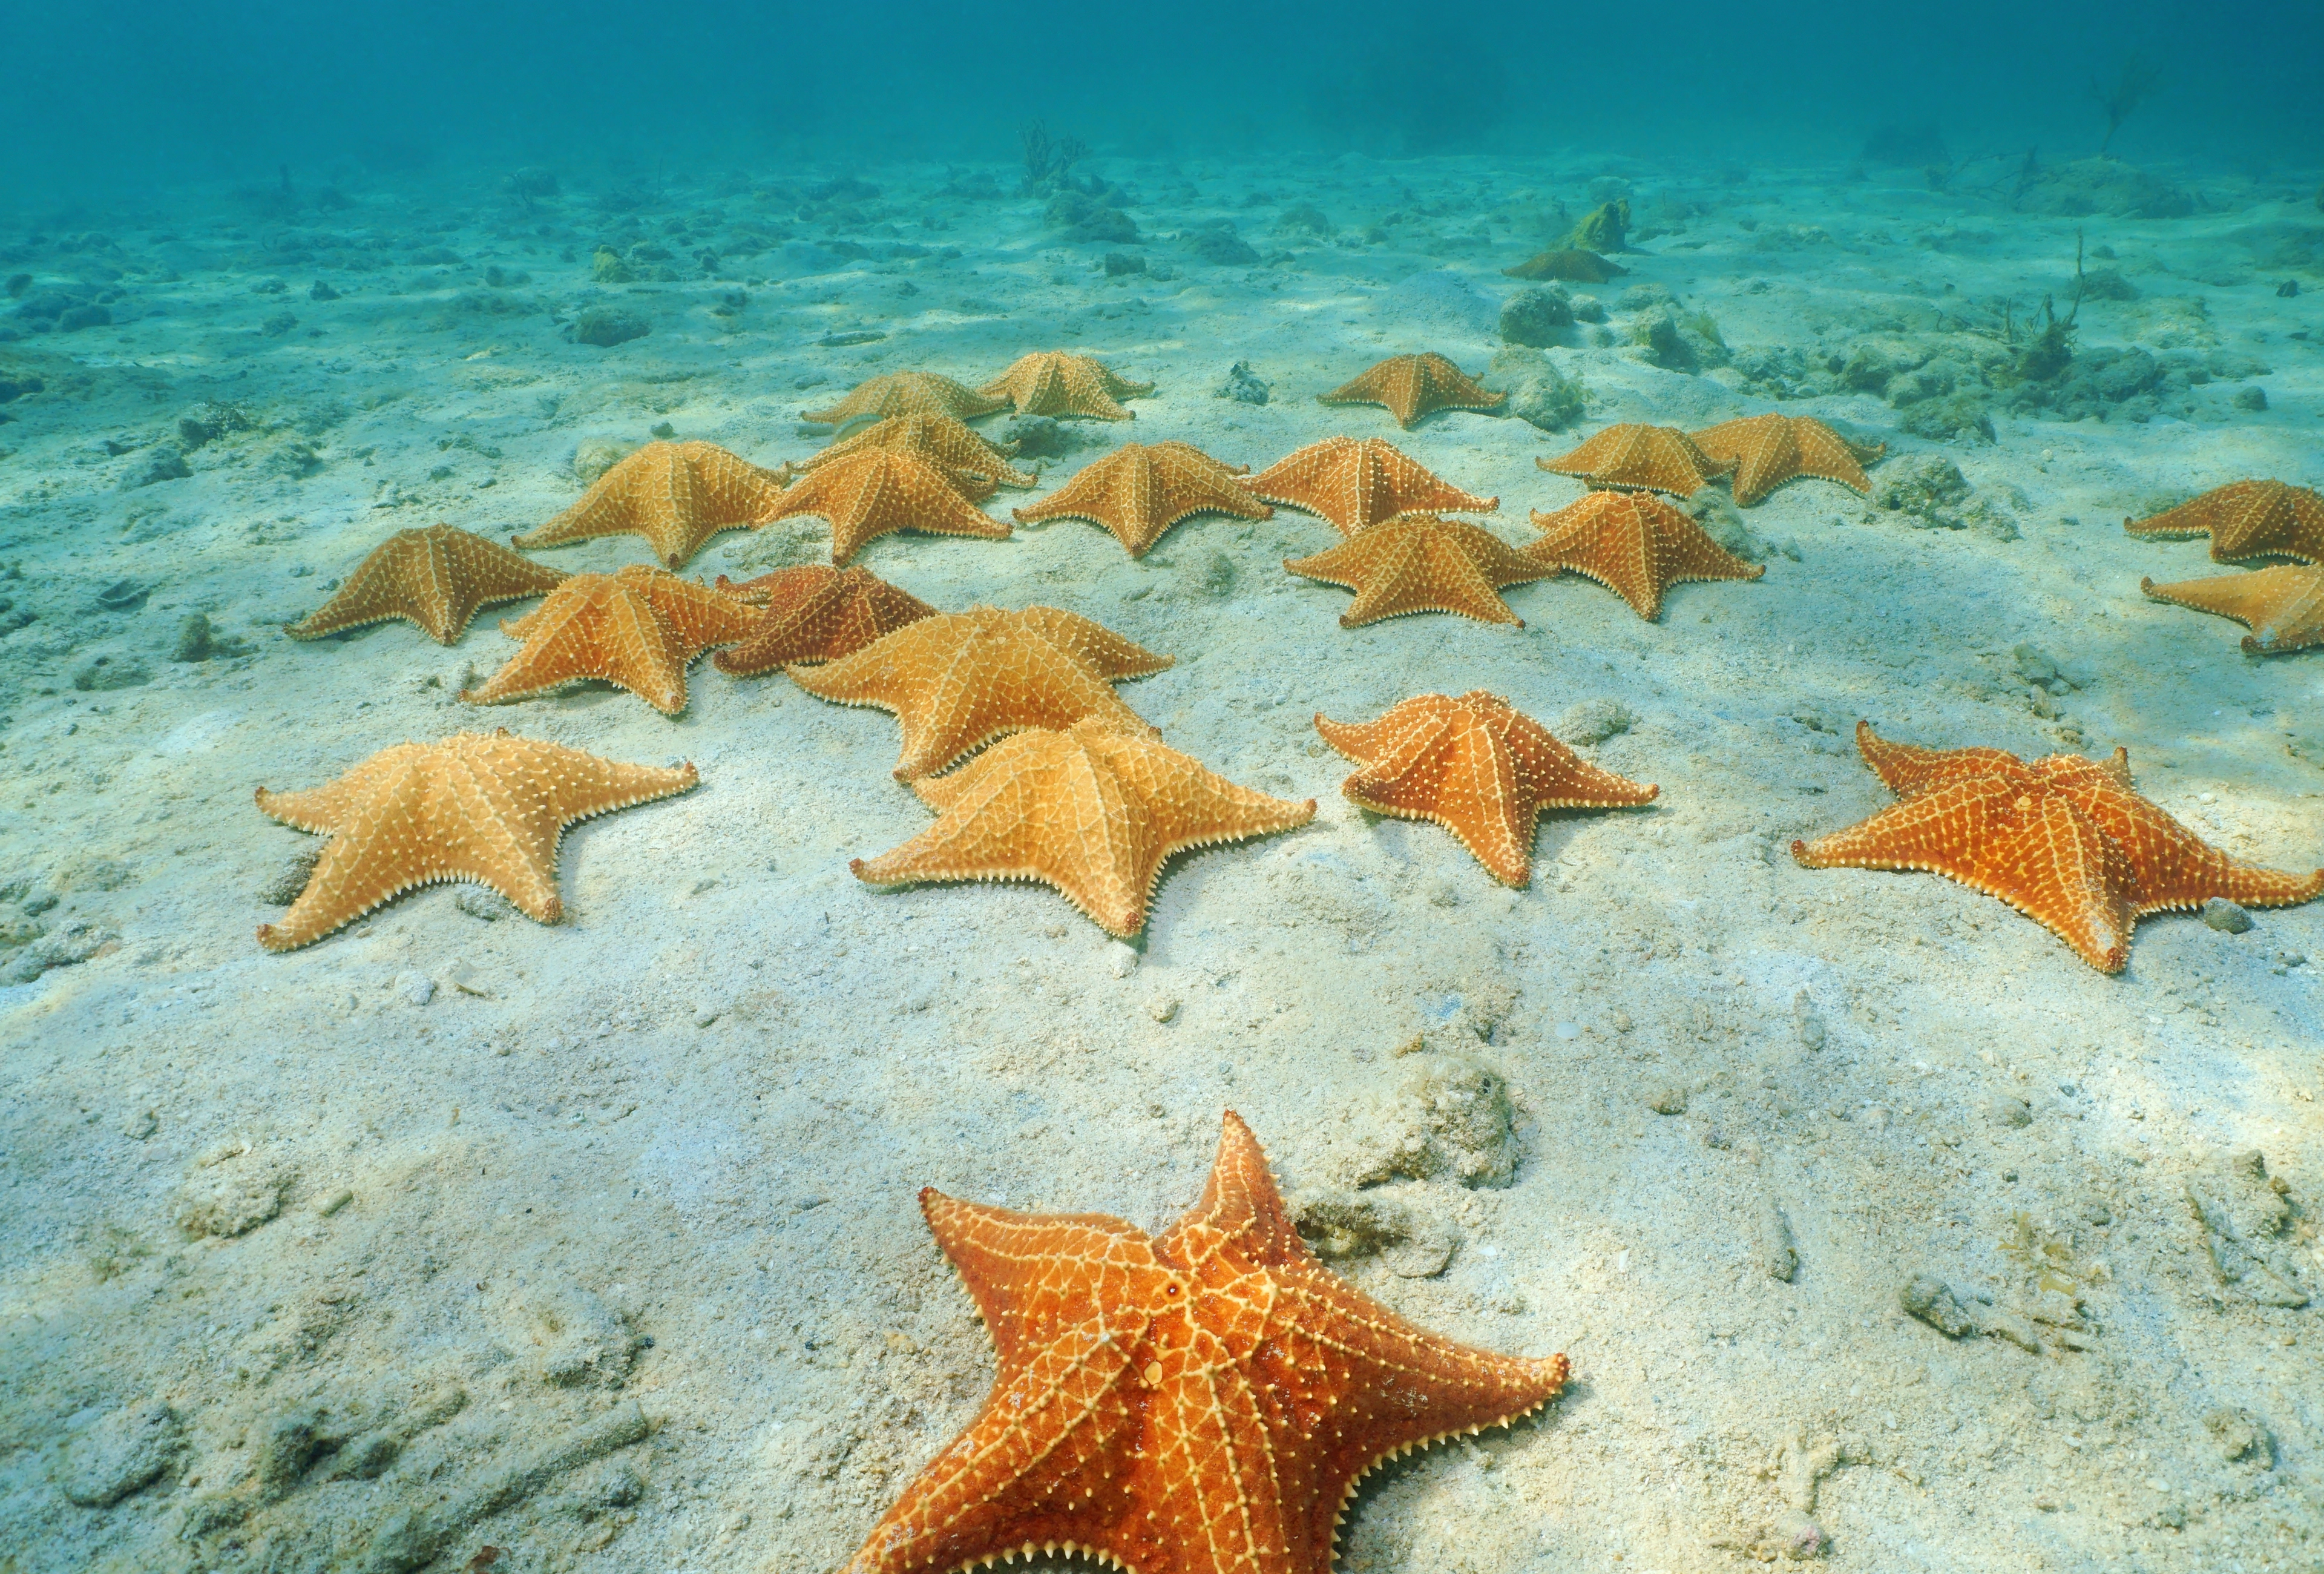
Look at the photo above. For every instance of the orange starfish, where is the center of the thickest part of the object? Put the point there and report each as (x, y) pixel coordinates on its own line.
(905, 393)
(1055, 383)
(2283, 606)
(1412, 385)
(637, 629)
(1417, 563)
(676, 495)
(2246, 519)
(2064, 840)
(1634, 544)
(1200, 1401)
(1631, 456)
(814, 613)
(957, 681)
(1568, 262)
(1093, 810)
(483, 807)
(1480, 769)
(1355, 484)
(975, 464)
(436, 578)
(1139, 492)
(875, 491)
(1765, 451)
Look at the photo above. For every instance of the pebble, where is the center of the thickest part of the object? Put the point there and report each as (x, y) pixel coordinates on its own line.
(415, 988)
(2225, 916)
(280, 888)
(120, 1453)
(1778, 1255)
(1593, 721)
(1163, 1008)
(230, 1192)
(1668, 1101)
(1932, 1301)
(140, 1125)
(1121, 960)
(480, 901)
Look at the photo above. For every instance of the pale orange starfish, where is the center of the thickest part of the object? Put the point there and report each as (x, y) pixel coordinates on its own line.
(875, 490)
(2246, 519)
(1480, 769)
(1200, 1402)
(2283, 606)
(676, 495)
(1056, 383)
(1356, 483)
(897, 393)
(638, 629)
(1653, 459)
(1634, 544)
(976, 464)
(1411, 386)
(1138, 492)
(1765, 451)
(436, 578)
(2064, 840)
(1417, 563)
(813, 613)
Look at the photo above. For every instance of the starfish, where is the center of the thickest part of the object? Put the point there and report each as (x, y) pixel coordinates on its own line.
(676, 495)
(1634, 457)
(1480, 769)
(1139, 492)
(1417, 563)
(876, 491)
(484, 807)
(638, 629)
(814, 613)
(1356, 483)
(1200, 1401)
(2283, 606)
(1412, 385)
(957, 681)
(1634, 544)
(436, 578)
(1766, 451)
(1054, 383)
(2246, 519)
(906, 394)
(1570, 264)
(976, 464)
(2064, 840)
(1095, 810)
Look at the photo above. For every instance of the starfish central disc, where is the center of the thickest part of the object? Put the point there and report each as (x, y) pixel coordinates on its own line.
(1138, 492)
(875, 491)
(1411, 386)
(1417, 563)
(906, 394)
(1054, 383)
(976, 464)
(814, 613)
(1634, 544)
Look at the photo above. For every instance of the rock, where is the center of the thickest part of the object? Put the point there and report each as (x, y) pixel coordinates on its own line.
(1347, 1226)
(1539, 394)
(1934, 1302)
(1668, 1101)
(605, 327)
(482, 901)
(1118, 264)
(2084, 186)
(68, 946)
(161, 462)
(319, 290)
(1217, 242)
(1953, 417)
(1163, 1008)
(73, 319)
(1449, 1118)
(105, 673)
(1122, 959)
(1243, 384)
(2225, 916)
(121, 1453)
(578, 1339)
(1535, 318)
(1593, 721)
(1778, 1256)
(414, 989)
(1586, 308)
(277, 324)
(2243, 1218)
(1083, 217)
(2241, 1436)
(1809, 1020)
(193, 642)
(597, 455)
(2009, 1113)
(2253, 397)
(1044, 437)
(230, 1192)
(280, 887)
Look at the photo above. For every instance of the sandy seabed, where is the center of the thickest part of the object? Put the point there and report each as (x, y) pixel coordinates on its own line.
(597, 1242)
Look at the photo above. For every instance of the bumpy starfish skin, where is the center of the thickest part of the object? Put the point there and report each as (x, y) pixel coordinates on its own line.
(906, 394)
(1417, 563)
(1054, 383)
(436, 578)
(1635, 545)
(957, 681)
(639, 629)
(2064, 840)
(878, 490)
(1355, 485)
(814, 613)
(1138, 492)
(1477, 767)
(483, 807)
(1570, 264)
(1652, 459)
(1093, 810)
(676, 495)
(2246, 519)
(1203, 1402)
(951, 444)
(1411, 386)
(2283, 606)
(1765, 451)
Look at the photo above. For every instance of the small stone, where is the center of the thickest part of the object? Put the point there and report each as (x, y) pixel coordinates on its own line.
(140, 1125)
(1347, 1226)
(332, 1200)
(605, 327)
(1121, 960)
(282, 887)
(480, 902)
(596, 456)
(1535, 318)
(1778, 1255)
(194, 638)
(415, 988)
(1242, 383)
(1593, 721)
(319, 290)
(105, 674)
(1116, 263)
(230, 1192)
(2241, 1436)
(1163, 1008)
(121, 1453)
(277, 324)
(2009, 1113)
(2253, 397)
(1934, 1301)
(1668, 1101)
(2014, 1327)
(2225, 916)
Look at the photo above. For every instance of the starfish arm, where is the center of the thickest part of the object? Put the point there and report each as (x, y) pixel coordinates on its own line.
(392, 582)
(1909, 770)
(1620, 568)
(2175, 868)
(1188, 805)
(327, 808)
(1094, 646)
(2283, 605)
(696, 617)
(369, 860)
(1361, 741)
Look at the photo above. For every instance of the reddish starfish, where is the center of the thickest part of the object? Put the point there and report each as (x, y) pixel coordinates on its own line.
(1653, 459)
(814, 613)
(1411, 386)
(1139, 492)
(1355, 484)
(676, 495)
(436, 578)
(1203, 1402)
(1635, 545)
(1480, 769)
(1417, 563)
(2246, 519)
(1765, 451)
(2064, 840)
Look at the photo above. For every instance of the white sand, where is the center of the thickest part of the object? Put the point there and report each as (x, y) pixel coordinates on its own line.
(697, 1112)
